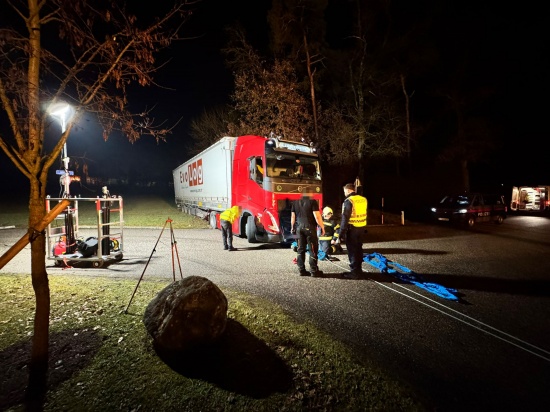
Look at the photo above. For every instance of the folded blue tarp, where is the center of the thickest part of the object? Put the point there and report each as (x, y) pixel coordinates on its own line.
(385, 265)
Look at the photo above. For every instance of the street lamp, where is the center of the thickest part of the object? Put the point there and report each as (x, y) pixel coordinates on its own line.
(63, 112)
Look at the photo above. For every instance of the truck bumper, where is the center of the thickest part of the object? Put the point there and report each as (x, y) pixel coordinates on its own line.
(269, 238)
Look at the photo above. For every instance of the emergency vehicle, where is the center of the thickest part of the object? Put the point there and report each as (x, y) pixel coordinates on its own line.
(262, 175)
(530, 198)
(470, 208)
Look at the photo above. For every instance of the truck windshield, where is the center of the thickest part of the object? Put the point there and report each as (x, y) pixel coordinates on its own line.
(456, 201)
(299, 166)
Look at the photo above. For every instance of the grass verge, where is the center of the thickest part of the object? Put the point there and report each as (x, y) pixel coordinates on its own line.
(101, 358)
(138, 211)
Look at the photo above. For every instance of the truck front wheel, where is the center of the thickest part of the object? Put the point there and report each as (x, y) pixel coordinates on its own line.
(251, 229)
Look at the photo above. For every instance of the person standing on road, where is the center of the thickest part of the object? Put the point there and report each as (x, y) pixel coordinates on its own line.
(329, 242)
(304, 218)
(352, 228)
(227, 218)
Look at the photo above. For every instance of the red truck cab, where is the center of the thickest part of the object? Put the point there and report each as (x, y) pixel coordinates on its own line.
(268, 175)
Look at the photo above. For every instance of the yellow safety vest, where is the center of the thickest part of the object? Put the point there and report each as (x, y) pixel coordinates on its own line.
(230, 214)
(358, 216)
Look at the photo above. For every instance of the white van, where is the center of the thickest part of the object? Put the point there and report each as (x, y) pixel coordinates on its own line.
(530, 198)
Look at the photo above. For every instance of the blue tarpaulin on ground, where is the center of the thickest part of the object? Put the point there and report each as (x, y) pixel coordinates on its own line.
(385, 265)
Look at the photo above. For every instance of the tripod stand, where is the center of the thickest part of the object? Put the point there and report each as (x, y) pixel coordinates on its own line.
(174, 247)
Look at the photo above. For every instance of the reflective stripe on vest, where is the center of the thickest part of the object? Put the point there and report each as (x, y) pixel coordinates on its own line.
(330, 230)
(358, 216)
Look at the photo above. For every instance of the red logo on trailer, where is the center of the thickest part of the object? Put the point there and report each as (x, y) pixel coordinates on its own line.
(199, 172)
(194, 170)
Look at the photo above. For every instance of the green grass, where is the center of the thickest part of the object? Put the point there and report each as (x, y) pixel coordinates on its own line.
(137, 211)
(102, 358)
(144, 211)
(14, 213)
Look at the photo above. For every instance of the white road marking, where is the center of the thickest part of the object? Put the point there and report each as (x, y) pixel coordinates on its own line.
(468, 320)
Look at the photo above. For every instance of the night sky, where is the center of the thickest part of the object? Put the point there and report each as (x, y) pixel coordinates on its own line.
(509, 45)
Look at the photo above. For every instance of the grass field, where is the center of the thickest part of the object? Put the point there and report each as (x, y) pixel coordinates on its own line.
(138, 211)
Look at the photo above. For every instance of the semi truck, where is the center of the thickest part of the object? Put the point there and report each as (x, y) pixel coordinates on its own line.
(262, 175)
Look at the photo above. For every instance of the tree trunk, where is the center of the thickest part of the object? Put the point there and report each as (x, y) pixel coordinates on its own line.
(38, 368)
(310, 75)
(463, 152)
(465, 175)
(408, 122)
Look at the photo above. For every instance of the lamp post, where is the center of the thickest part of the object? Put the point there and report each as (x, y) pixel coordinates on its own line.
(63, 112)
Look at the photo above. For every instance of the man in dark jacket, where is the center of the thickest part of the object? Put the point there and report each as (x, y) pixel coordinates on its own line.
(305, 216)
(352, 228)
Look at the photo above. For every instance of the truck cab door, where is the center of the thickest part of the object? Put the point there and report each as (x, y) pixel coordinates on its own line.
(257, 170)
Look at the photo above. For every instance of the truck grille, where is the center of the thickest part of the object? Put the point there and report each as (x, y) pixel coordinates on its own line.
(283, 207)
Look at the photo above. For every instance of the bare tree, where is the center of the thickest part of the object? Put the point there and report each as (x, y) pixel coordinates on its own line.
(366, 109)
(267, 96)
(297, 33)
(210, 126)
(366, 118)
(87, 54)
(473, 137)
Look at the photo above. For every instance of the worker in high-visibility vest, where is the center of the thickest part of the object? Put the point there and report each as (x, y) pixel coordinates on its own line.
(227, 218)
(329, 243)
(352, 228)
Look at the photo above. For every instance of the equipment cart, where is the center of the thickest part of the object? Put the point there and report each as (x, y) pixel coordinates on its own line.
(104, 245)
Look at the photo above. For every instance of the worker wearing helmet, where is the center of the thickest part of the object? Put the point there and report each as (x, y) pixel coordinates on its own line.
(329, 243)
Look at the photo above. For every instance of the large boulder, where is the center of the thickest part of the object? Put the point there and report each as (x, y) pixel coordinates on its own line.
(186, 314)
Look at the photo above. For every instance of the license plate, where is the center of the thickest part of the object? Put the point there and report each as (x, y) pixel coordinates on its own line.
(445, 219)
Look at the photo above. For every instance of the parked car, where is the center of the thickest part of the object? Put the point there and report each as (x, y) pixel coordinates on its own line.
(470, 208)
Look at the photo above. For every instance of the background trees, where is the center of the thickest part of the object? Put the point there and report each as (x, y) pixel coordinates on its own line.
(267, 96)
(409, 90)
(87, 54)
(333, 92)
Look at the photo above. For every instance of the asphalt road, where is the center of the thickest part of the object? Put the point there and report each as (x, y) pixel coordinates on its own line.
(488, 351)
